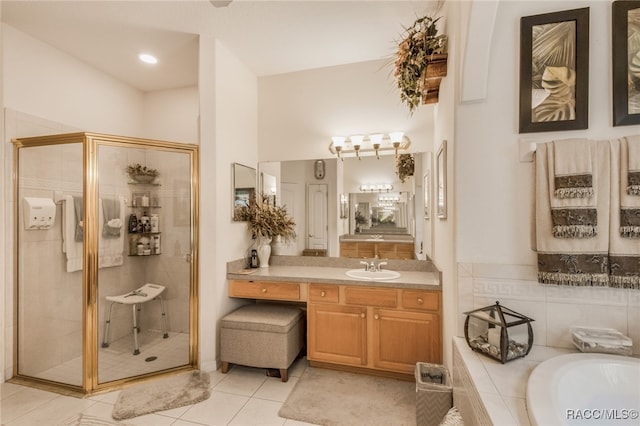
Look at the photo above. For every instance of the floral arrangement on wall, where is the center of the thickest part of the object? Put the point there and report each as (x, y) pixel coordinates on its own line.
(416, 51)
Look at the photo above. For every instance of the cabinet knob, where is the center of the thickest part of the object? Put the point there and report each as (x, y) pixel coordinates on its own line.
(264, 290)
(420, 301)
(376, 316)
(323, 293)
(362, 315)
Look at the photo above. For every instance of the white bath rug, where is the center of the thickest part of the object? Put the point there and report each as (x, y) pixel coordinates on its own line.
(162, 394)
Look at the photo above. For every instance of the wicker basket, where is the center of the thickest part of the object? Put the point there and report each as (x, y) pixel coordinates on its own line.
(434, 393)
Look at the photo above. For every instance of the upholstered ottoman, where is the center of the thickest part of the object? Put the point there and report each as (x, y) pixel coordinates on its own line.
(263, 336)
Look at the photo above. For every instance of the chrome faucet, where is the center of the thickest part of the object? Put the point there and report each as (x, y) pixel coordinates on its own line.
(372, 267)
(380, 265)
(366, 265)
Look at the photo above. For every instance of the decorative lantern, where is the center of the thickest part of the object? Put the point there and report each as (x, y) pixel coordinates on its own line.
(498, 332)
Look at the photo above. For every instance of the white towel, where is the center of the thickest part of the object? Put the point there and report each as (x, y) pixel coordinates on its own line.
(571, 188)
(572, 261)
(70, 246)
(624, 239)
(110, 250)
(572, 168)
(633, 165)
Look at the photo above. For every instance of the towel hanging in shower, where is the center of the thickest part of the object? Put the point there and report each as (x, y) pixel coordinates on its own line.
(78, 205)
(112, 222)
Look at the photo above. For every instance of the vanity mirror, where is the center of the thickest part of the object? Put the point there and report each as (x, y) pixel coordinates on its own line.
(389, 213)
(243, 187)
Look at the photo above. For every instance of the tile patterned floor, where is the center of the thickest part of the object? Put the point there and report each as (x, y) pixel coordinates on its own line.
(244, 396)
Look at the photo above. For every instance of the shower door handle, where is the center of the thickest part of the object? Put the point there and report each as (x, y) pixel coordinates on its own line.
(188, 257)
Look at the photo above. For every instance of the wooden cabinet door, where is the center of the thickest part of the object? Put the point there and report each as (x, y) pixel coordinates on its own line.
(402, 338)
(348, 249)
(337, 334)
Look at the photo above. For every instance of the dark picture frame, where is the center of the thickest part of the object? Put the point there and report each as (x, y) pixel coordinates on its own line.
(626, 62)
(554, 53)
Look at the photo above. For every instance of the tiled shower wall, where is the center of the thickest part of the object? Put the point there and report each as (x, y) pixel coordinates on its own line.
(555, 309)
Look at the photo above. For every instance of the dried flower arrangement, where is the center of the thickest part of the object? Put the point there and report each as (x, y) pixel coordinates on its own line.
(140, 173)
(416, 50)
(267, 220)
(404, 166)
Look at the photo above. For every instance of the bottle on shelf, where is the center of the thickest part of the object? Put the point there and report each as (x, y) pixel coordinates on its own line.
(154, 223)
(156, 244)
(144, 221)
(133, 223)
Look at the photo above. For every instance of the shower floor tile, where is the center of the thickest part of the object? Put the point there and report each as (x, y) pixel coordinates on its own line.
(118, 362)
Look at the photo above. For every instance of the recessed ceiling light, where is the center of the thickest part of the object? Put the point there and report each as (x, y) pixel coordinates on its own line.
(149, 59)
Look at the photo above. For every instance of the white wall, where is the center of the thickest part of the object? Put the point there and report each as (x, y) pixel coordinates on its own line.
(48, 83)
(299, 112)
(172, 115)
(228, 93)
(494, 188)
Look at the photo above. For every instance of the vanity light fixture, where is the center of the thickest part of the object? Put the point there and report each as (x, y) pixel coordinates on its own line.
(338, 143)
(356, 142)
(373, 144)
(148, 59)
(376, 139)
(396, 138)
(376, 187)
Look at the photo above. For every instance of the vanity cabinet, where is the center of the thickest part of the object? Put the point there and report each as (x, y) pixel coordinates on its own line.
(382, 250)
(378, 328)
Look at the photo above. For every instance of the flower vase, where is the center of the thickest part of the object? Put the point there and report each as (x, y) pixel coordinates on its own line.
(264, 251)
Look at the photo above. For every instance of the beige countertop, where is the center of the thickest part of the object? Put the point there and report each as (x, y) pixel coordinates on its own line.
(325, 274)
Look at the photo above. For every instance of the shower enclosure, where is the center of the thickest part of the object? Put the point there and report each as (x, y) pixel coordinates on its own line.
(106, 265)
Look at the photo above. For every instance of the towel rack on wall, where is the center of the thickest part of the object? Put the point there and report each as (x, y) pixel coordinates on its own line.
(526, 149)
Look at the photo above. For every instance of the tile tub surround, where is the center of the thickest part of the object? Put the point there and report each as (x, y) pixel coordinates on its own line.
(488, 392)
(555, 308)
(331, 270)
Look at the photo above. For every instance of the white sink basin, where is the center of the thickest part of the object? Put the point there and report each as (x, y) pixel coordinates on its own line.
(361, 274)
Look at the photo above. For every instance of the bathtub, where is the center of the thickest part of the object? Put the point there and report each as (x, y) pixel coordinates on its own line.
(585, 389)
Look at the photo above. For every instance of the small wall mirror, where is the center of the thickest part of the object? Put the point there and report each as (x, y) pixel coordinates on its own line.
(244, 187)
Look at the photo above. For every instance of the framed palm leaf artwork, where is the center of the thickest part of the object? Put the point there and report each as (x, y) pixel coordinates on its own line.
(554, 71)
(626, 62)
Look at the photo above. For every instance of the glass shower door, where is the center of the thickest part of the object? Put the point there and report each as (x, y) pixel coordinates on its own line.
(145, 274)
(49, 220)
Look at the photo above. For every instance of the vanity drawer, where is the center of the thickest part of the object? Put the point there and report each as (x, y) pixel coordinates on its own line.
(324, 293)
(420, 299)
(271, 290)
(368, 296)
